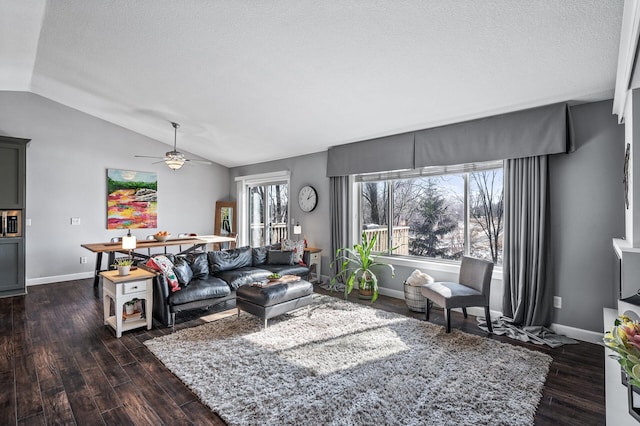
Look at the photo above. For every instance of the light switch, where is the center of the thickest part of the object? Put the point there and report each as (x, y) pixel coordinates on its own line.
(28, 223)
(75, 221)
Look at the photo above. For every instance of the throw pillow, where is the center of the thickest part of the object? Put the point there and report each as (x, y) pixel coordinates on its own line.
(297, 247)
(277, 257)
(164, 265)
(199, 265)
(259, 255)
(183, 271)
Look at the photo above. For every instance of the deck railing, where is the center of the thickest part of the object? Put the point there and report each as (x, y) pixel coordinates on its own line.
(400, 235)
(279, 231)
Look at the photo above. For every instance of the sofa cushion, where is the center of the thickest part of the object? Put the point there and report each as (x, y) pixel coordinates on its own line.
(200, 289)
(199, 264)
(241, 276)
(183, 271)
(280, 257)
(226, 260)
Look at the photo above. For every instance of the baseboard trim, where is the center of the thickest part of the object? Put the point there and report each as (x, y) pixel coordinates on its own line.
(59, 278)
(577, 333)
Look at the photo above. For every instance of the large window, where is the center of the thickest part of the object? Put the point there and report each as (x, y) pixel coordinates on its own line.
(440, 213)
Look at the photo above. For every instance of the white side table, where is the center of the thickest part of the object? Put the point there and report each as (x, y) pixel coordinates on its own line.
(124, 288)
(314, 263)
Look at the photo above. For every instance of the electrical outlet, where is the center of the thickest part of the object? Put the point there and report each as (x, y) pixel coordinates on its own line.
(75, 221)
(83, 259)
(557, 302)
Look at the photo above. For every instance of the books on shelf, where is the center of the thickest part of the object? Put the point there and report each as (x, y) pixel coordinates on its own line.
(134, 315)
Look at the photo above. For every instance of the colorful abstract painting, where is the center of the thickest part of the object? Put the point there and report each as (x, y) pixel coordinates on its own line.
(132, 199)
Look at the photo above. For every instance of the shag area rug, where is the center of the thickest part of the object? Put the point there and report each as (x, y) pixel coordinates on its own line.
(340, 363)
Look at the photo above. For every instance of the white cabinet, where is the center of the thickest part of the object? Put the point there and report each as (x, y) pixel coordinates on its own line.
(315, 262)
(120, 289)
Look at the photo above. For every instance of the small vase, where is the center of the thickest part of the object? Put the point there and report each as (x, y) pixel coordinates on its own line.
(124, 270)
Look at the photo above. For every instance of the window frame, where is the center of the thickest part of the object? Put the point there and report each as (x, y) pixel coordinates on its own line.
(242, 184)
(446, 265)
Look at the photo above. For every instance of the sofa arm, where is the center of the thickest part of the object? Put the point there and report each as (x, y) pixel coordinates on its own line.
(161, 309)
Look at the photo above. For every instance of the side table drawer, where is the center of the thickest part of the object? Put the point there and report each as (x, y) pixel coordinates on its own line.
(134, 286)
(314, 258)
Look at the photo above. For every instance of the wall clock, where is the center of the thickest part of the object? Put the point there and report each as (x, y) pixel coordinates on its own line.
(307, 198)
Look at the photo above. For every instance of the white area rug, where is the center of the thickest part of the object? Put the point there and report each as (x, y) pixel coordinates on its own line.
(339, 363)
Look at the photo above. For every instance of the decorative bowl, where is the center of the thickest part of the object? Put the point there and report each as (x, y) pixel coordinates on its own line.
(161, 238)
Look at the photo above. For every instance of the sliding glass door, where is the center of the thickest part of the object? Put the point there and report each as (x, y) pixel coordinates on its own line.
(268, 209)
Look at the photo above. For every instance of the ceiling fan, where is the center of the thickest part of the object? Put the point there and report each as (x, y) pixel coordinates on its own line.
(175, 159)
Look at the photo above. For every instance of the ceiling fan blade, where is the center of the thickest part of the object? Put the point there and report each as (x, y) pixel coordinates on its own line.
(208, 163)
(157, 162)
(147, 156)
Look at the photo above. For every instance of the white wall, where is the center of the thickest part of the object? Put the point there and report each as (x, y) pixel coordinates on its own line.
(67, 162)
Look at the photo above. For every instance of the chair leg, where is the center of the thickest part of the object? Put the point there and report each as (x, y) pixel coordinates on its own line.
(464, 312)
(487, 315)
(426, 310)
(447, 319)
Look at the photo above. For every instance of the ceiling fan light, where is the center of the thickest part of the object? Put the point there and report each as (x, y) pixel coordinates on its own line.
(174, 163)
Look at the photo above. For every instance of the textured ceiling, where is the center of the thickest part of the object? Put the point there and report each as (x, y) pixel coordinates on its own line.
(251, 81)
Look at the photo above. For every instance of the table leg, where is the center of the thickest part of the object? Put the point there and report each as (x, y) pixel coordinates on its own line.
(96, 277)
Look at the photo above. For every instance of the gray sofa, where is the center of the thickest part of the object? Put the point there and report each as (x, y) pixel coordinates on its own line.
(211, 278)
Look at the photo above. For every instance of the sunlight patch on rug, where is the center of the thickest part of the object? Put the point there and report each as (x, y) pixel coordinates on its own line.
(341, 353)
(337, 363)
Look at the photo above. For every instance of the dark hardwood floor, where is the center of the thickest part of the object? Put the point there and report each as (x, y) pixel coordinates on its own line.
(60, 365)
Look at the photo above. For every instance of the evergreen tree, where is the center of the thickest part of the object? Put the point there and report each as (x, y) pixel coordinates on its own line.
(433, 223)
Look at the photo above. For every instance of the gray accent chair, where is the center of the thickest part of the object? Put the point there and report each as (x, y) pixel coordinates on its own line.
(472, 289)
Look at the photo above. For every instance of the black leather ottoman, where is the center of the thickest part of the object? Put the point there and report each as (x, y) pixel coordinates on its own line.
(274, 299)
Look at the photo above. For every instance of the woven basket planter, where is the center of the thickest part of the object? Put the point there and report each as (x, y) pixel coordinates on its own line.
(413, 298)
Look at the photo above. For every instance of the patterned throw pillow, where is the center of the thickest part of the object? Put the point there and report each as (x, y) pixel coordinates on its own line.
(164, 265)
(297, 247)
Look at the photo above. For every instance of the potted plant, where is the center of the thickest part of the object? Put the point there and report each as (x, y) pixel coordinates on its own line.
(356, 264)
(130, 306)
(123, 265)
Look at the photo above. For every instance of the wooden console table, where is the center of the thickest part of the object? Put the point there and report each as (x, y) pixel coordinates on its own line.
(111, 249)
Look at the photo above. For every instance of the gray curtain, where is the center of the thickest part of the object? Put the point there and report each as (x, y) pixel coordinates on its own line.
(339, 193)
(526, 289)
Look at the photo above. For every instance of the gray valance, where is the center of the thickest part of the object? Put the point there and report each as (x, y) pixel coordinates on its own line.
(526, 133)
(374, 155)
(520, 134)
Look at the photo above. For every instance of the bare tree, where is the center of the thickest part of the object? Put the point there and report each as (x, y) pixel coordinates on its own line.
(375, 196)
(487, 208)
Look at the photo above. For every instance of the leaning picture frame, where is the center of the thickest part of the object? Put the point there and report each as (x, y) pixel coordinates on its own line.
(225, 221)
